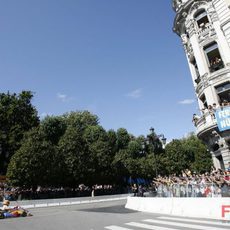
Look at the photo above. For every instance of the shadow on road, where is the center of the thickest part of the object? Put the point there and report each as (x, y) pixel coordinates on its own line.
(114, 209)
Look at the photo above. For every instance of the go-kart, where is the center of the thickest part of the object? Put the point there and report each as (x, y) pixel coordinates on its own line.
(14, 212)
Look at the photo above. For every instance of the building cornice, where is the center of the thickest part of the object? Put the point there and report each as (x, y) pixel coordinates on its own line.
(185, 10)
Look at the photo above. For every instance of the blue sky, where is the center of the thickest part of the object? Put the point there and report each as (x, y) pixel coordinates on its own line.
(118, 59)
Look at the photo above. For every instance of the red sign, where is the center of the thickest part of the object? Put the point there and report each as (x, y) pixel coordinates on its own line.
(225, 209)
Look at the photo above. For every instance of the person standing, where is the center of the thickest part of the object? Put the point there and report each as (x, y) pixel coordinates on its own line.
(135, 190)
(5, 206)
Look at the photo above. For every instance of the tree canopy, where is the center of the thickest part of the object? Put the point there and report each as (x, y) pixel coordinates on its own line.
(17, 116)
(74, 148)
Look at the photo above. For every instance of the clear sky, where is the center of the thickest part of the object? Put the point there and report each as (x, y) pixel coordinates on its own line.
(119, 59)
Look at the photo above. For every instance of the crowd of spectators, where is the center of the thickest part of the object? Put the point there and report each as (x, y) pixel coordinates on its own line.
(215, 183)
(191, 184)
(22, 193)
(211, 110)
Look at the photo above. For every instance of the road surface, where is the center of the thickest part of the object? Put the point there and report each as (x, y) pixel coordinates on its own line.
(110, 215)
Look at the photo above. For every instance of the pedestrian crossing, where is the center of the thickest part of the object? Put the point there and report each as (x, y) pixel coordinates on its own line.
(172, 223)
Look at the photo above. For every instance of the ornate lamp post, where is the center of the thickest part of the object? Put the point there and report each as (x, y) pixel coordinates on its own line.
(152, 139)
(163, 140)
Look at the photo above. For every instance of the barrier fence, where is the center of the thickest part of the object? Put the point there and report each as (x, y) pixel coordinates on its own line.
(192, 190)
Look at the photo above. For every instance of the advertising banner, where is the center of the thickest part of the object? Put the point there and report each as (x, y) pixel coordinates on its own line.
(223, 118)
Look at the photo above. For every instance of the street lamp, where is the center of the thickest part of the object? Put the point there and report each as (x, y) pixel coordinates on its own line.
(160, 137)
(163, 140)
(151, 139)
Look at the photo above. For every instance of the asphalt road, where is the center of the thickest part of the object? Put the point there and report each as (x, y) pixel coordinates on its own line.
(100, 216)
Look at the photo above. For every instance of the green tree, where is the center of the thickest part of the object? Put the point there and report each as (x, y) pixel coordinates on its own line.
(176, 156)
(17, 116)
(127, 161)
(147, 166)
(76, 158)
(188, 153)
(154, 143)
(112, 141)
(73, 147)
(135, 149)
(123, 138)
(53, 128)
(81, 119)
(74, 142)
(120, 165)
(201, 157)
(99, 154)
(37, 162)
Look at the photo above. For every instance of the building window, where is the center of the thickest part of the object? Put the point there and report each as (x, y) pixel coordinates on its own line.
(204, 101)
(214, 59)
(223, 92)
(202, 19)
(193, 62)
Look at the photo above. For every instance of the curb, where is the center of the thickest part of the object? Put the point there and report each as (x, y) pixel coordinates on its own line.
(64, 202)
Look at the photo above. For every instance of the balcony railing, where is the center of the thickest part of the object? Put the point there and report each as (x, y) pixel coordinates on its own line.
(204, 30)
(205, 122)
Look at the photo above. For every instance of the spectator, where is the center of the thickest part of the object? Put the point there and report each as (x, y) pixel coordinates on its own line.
(211, 111)
(213, 184)
(195, 119)
(5, 206)
(135, 190)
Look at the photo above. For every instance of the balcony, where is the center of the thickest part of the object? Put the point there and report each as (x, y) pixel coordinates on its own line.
(204, 29)
(204, 123)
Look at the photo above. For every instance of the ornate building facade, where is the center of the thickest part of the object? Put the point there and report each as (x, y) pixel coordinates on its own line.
(204, 29)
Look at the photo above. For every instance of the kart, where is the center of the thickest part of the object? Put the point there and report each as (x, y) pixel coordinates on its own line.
(14, 212)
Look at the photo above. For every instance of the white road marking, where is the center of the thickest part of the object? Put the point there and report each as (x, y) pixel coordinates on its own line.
(200, 227)
(174, 223)
(117, 228)
(147, 226)
(194, 221)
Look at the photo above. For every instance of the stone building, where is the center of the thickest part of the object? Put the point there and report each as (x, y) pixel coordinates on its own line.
(204, 29)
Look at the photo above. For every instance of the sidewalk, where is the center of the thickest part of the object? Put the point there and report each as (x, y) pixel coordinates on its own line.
(66, 201)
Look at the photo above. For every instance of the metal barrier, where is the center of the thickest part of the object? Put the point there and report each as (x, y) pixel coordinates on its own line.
(193, 190)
